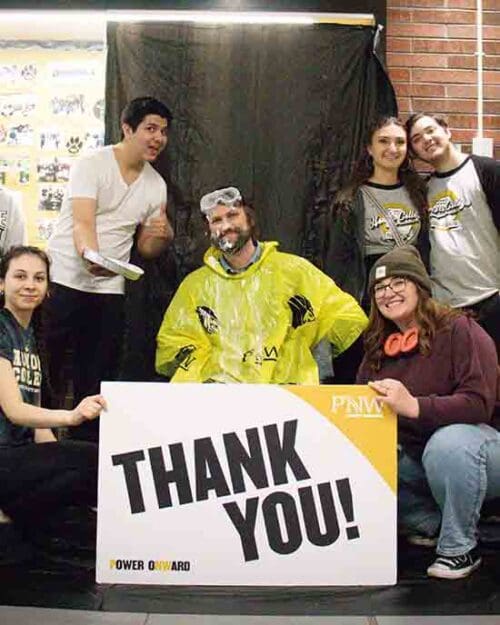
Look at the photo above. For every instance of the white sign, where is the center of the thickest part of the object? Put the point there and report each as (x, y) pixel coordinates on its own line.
(211, 484)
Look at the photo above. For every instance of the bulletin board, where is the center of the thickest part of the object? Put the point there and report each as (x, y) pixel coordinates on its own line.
(51, 112)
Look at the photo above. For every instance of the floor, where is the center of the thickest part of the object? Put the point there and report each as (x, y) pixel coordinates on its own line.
(61, 589)
(38, 616)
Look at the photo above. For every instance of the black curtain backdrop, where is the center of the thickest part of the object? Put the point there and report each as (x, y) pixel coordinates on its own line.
(278, 111)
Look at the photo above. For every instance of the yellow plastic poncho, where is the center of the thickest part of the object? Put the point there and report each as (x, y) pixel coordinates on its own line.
(258, 326)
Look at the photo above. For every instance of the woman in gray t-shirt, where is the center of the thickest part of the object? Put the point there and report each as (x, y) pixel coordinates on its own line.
(383, 206)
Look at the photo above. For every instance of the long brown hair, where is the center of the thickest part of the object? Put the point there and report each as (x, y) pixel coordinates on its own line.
(363, 170)
(431, 316)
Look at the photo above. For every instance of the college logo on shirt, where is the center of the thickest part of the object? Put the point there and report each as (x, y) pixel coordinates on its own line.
(208, 319)
(445, 212)
(27, 369)
(404, 218)
(302, 310)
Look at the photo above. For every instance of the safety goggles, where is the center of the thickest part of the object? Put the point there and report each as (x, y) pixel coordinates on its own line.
(227, 196)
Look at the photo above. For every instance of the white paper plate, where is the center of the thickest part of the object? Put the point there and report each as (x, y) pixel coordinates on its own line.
(128, 270)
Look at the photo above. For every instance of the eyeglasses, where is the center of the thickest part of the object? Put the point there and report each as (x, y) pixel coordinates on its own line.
(228, 196)
(395, 284)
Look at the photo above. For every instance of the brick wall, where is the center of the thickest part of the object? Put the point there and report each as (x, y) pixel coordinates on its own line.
(431, 58)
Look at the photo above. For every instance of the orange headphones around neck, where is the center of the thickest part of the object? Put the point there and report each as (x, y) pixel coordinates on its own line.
(401, 343)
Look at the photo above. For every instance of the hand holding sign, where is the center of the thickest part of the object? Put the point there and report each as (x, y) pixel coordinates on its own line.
(89, 408)
(396, 396)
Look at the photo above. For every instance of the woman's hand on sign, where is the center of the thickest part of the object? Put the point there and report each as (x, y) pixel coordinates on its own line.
(395, 395)
(88, 409)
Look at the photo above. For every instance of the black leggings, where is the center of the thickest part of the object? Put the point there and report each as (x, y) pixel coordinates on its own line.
(37, 480)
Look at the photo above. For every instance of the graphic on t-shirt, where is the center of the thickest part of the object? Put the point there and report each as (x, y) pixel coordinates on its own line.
(27, 370)
(445, 211)
(404, 218)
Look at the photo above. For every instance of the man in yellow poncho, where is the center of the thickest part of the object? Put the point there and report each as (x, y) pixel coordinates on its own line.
(251, 313)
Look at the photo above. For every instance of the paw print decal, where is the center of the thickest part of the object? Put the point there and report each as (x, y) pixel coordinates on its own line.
(28, 72)
(74, 145)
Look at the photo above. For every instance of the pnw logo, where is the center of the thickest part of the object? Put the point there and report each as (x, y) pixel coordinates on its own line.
(208, 319)
(357, 407)
(302, 310)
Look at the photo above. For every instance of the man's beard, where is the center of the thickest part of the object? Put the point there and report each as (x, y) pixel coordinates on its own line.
(231, 247)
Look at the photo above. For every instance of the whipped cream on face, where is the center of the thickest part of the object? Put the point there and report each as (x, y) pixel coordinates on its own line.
(228, 246)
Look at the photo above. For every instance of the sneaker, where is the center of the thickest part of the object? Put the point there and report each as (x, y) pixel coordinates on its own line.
(455, 567)
(422, 541)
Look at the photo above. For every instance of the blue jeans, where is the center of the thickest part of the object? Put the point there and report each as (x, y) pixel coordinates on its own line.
(444, 493)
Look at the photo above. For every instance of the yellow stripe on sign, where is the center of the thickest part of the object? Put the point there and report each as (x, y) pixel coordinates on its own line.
(355, 412)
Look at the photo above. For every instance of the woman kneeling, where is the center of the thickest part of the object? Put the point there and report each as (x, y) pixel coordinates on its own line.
(437, 369)
(38, 475)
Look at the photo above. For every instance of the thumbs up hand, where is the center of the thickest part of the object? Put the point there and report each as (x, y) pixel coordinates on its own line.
(159, 227)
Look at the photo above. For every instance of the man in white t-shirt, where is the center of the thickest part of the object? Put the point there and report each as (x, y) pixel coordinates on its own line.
(464, 222)
(113, 195)
(12, 221)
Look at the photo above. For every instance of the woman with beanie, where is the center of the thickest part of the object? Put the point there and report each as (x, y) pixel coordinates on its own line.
(437, 369)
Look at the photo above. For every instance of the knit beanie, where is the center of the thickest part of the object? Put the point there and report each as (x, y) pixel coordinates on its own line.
(402, 261)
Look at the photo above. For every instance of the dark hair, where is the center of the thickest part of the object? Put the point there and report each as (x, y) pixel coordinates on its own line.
(22, 250)
(431, 317)
(137, 109)
(363, 170)
(249, 211)
(441, 120)
(16, 251)
(413, 119)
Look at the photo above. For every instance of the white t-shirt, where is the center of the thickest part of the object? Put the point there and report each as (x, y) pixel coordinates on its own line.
(121, 208)
(12, 221)
(465, 244)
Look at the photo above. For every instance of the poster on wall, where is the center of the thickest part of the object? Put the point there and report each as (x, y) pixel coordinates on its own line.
(16, 74)
(246, 485)
(18, 104)
(73, 72)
